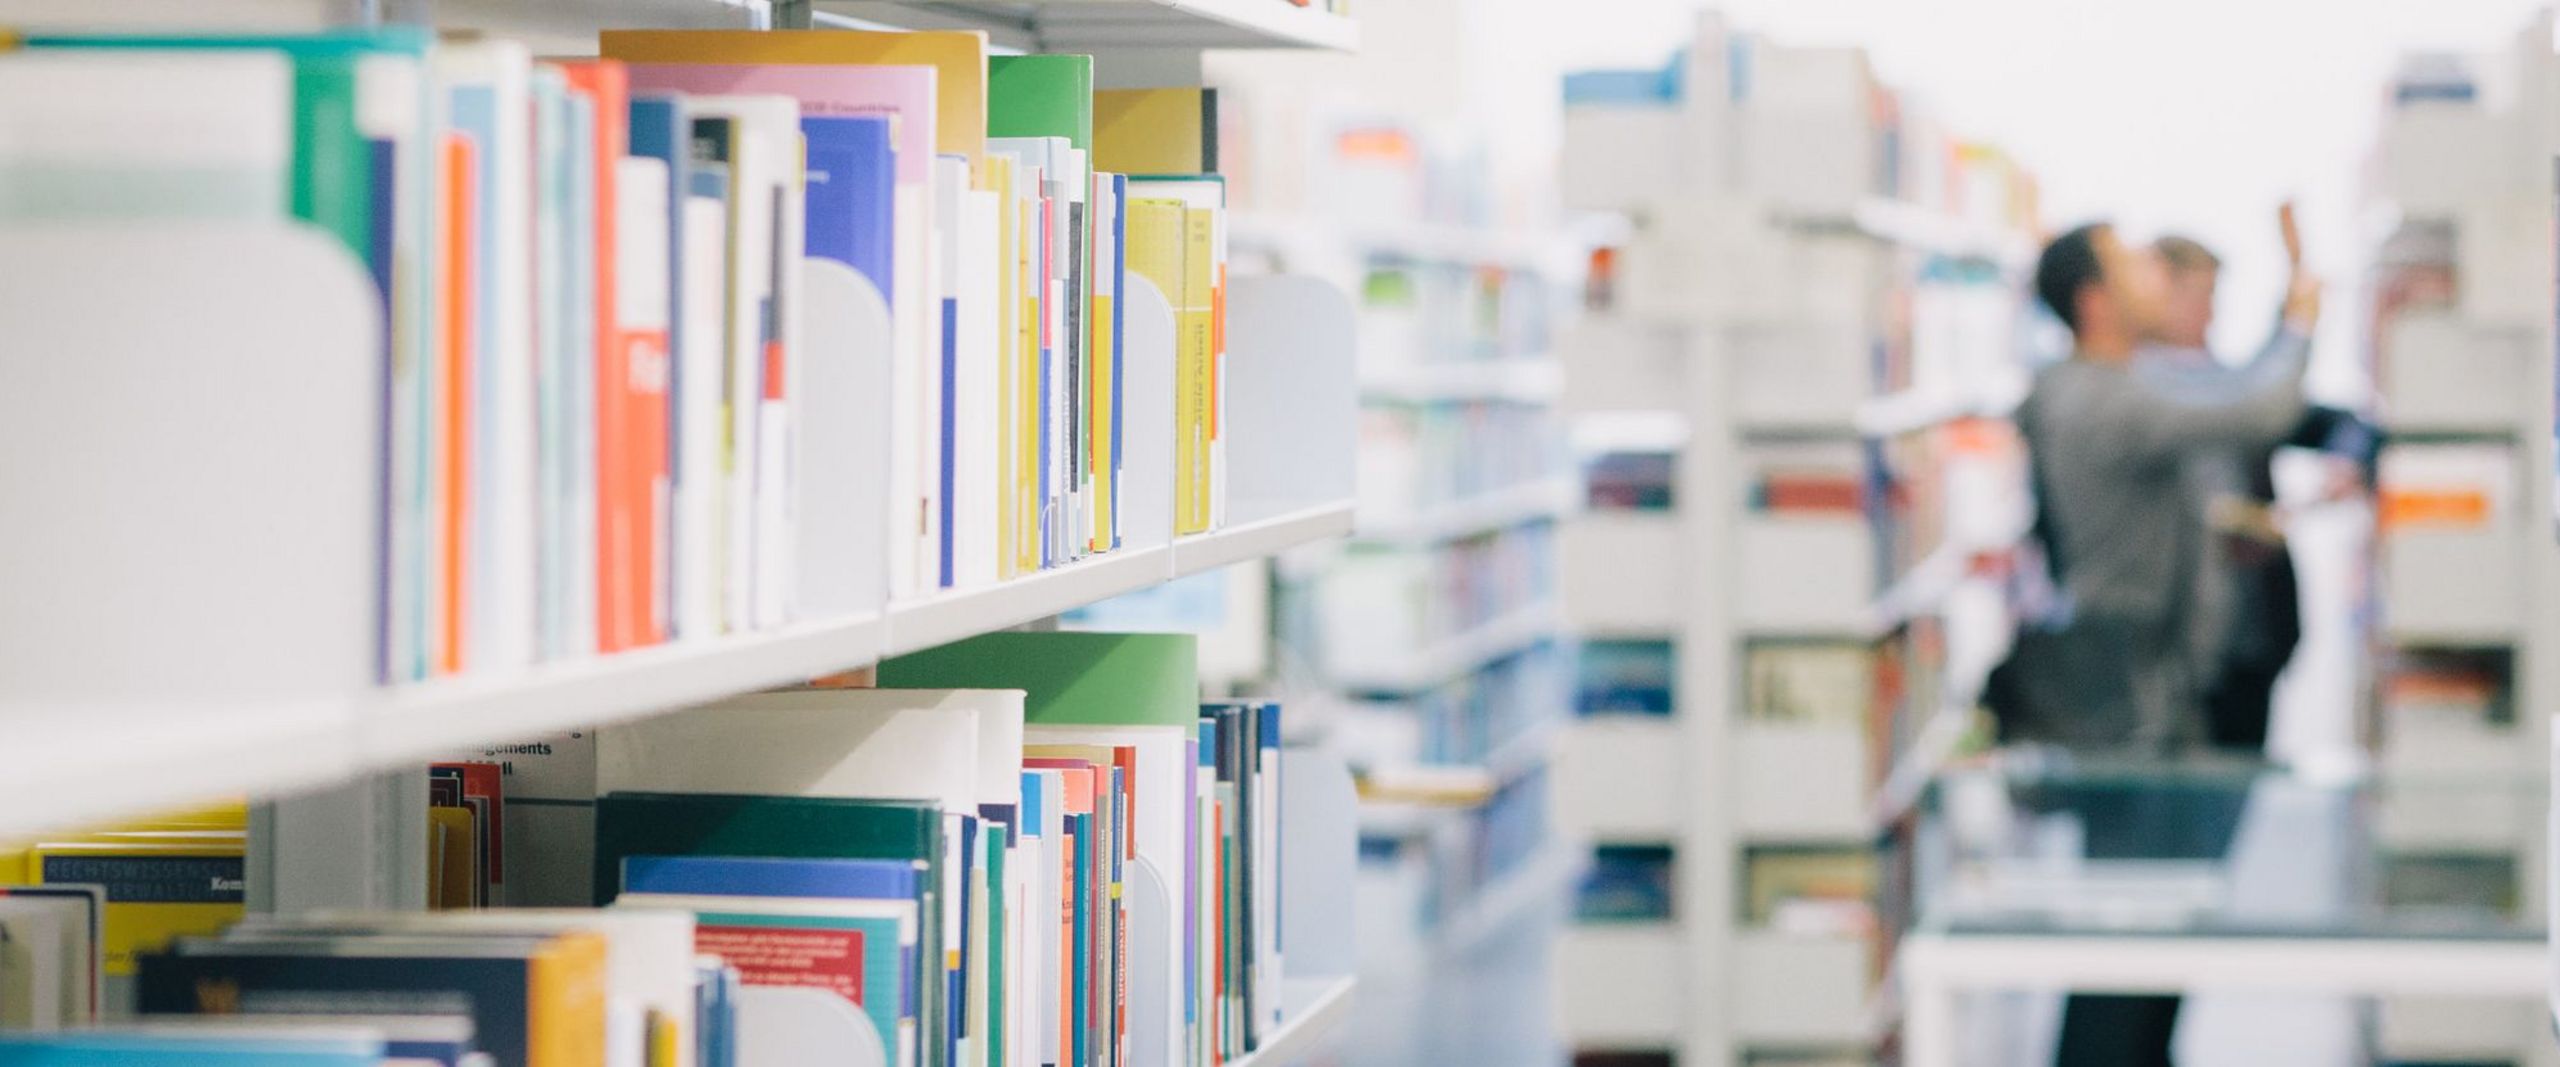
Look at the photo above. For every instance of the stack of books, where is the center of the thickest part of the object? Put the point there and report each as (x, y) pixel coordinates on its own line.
(641, 314)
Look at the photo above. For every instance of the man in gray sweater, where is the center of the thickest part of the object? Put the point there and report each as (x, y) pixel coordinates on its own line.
(2109, 447)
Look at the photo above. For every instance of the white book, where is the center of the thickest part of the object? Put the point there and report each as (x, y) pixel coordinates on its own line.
(42, 985)
(930, 456)
(763, 162)
(208, 135)
(1049, 897)
(916, 328)
(977, 409)
(886, 744)
(576, 372)
(700, 351)
(556, 300)
(1266, 892)
(646, 307)
(917, 377)
(488, 94)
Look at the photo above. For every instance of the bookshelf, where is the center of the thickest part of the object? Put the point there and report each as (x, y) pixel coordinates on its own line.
(1430, 632)
(1752, 567)
(220, 620)
(2463, 651)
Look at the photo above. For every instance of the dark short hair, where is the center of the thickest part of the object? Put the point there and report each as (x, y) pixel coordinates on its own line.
(2185, 254)
(2068, 265)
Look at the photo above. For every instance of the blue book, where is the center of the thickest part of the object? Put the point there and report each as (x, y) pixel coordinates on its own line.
(804, 879)
(731, 876)
(852, 190)
(109, 1048)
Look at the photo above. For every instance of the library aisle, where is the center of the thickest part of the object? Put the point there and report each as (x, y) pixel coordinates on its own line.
(1277, 533)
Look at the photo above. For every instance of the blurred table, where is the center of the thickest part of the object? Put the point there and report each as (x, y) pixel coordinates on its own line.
(2171, 878)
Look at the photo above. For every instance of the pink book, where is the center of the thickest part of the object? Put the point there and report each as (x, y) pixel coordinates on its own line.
(903, 93)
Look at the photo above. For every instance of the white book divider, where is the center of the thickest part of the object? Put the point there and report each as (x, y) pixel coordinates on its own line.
(1320, 859)
(1146, 432)
(1292, 402)
(190, 443)
(843, 484)
(783, 1026)
(1156, 995)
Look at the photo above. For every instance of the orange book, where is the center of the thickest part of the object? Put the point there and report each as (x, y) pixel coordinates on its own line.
(629, 414)
(461, 221)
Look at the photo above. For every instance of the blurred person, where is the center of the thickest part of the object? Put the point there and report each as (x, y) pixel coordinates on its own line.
(2109, 448)
(2244, 614)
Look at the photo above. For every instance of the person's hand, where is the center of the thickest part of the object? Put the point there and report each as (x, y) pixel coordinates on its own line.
(2302, 294)
(2302, 304)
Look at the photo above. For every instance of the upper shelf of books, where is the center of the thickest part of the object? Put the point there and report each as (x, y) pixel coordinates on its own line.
(657, 414)
(1114, 25)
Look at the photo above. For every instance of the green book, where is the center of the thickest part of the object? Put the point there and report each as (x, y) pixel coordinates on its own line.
(1041, 96)
(1069, 679)
(754, 827)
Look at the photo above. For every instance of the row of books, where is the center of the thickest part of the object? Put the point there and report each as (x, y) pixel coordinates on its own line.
(1030, 867)
(980, 875)
(1809, 683)
(1626, 676)
(1806, 479)
(1415, 311)
(1808, 130)
(1377, 605)
(1415, 457)
(635, 307)
(1462, 723)
(1627, 883)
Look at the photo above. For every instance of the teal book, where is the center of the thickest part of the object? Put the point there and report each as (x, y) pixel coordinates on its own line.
(279, 1047)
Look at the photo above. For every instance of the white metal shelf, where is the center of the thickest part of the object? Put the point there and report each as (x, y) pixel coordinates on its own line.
(190, 754)
(1431, 242)
(1526, 380)
(1457, 655)
(1483, 512)
(1311, 1009)
(441, 717)
(1259, 538)
(1107, 25)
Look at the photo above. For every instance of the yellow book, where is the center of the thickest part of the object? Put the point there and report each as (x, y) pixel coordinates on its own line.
(157, 890)
(996, 174)
(1157, 251)
(1195, 323)
(223, 821)
(566, 1003)
(1031, 287)
(959, 59)
(1155, 131)
(453, 859)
